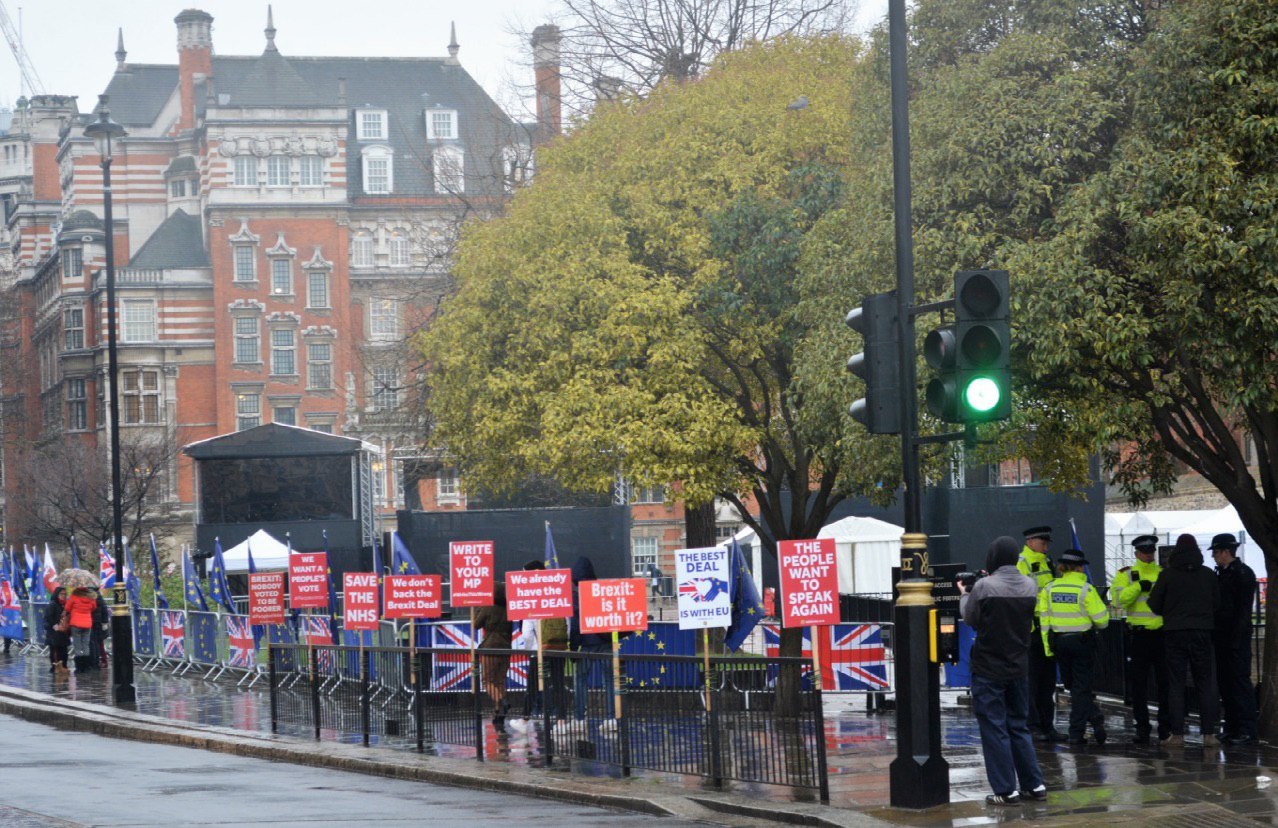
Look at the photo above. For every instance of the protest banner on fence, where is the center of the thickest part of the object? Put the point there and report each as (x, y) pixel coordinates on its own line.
(702, 577)
(613, 605)
(809, 583)
(537, 594)
(413, 596)
(308, 580)
(359, 601)
(471, 564)
(266, 597)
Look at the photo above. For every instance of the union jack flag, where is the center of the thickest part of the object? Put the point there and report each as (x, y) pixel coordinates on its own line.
(173, 633)
(239, 636)
(320, 635)
(703, 589)
(852, 655)
(451, 671)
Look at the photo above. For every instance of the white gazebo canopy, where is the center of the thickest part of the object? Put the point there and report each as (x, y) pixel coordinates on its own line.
(866, 550)
(268, 553)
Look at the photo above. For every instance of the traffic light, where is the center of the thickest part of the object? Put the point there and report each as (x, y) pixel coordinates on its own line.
(878, 365)
(973, 384)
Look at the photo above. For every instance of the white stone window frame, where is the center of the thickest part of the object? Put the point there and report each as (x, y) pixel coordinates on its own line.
(401, 249)
(255, 336)
(276, 165)
(310, 171)
(448, 487)
(72, 263)
(433, 130)
(376, 154)
(384, 388)
(363, 242)
(376, 118)
(241, 168)
(281, 252)
(383, 319)
(129, 329)
(73, 323)
(310, 342)
(448, 168)
(644, 551)
(244, 239)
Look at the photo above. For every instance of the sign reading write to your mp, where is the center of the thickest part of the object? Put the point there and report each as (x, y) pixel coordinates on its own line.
(413, 596)
(308, 580)
(703, 577)
(471, 564)
(537, 594)
(809, 582)
(359, 601)
(613, 605)
(266, 597)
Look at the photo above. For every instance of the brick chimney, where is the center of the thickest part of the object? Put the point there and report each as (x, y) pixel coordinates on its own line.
(195, 58)
(545, 44)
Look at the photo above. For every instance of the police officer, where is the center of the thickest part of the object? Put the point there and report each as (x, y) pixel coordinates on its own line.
(1233, 642)
(1035, 563)
(1145, 651)
(1070, 611)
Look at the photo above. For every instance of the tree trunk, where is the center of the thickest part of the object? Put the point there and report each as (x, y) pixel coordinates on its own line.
(698, 525)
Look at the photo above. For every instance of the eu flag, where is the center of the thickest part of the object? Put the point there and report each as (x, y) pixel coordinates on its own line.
(334, 612)
(75, 554)
(219, 589)
(191, 584)
(552, 557)
(161, 600)
(747, 609)
(402, 562)
(19, 576)
(132, 584)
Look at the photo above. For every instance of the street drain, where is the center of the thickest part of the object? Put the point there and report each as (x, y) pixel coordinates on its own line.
(1205, 819)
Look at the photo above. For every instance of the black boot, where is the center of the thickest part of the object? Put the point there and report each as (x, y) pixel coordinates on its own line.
(82, 664)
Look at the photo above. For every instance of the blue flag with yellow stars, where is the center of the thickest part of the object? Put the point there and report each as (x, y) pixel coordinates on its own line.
(552, 557)
(402, 562)
(747, 609)
(191, 584)
(201, 629)
(219, 589)
(132, 584)
(18, 575)
(334, 611)
(160, 600)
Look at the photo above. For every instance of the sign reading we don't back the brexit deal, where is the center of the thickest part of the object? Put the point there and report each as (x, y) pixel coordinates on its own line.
(702, 576)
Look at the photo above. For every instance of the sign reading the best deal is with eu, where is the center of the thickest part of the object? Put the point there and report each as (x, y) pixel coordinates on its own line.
(703, 578)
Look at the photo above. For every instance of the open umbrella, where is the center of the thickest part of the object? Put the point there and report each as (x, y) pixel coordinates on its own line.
(77, 578)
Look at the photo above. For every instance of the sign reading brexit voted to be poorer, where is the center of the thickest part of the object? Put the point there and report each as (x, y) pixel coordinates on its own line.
(266, 597)
(809, 583)
(704, 597)
(613, 605)
(308, 580)
(537, 594)
(471, 565)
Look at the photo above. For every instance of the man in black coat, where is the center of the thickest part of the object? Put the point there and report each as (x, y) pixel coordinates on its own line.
(1188, 597)
(1233, 642)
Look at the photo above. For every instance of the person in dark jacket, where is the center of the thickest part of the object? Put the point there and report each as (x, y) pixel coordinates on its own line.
(496, 626)
(588, 669)
(58, 640)
(1000, 609)
(1233, 642)
(1188, 598)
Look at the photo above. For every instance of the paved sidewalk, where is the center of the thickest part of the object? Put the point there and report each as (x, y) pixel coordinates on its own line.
(1119, 784)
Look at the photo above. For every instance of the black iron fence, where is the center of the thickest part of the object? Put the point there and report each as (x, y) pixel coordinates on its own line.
(722, 718)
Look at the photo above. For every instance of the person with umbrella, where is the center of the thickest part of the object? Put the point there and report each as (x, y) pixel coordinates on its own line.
(81, 608)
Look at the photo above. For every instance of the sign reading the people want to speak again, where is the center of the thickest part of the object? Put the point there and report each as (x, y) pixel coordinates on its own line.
(537, 594)
(613, 605)
(308, 580)
(266, 597)
(809, 582)
(703, 576)
(471, 564)
(413, 596)
(359, 601)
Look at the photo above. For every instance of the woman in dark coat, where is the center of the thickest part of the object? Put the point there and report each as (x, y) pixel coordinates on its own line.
(496, 626)
(58, 641)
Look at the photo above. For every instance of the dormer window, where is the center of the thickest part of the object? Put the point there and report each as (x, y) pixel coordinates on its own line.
(370, 125)
(441, 124)
(449, 166)
(379, 172)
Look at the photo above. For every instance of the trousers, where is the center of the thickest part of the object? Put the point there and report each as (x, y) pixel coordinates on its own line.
(1146, 654)
(1237, 694)
(1191, 651)
(1001, 708)
(1077, 655)
(1042, 686)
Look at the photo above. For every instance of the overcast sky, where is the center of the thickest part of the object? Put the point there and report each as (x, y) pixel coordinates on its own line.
(71, 43)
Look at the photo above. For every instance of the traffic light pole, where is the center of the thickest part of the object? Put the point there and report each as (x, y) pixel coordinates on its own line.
(919, 776)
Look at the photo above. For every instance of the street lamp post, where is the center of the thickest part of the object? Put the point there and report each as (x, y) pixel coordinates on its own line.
(104, 133)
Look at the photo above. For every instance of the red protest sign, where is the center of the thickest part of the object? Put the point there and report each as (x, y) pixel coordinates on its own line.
(308, 580)
(809, 583)
(536, 594)
(413, 596)
(613, 605)
(266, 597)
(359, 601)
(471, 563)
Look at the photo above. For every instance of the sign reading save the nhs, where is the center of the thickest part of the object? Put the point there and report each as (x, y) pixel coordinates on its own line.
(704, 597)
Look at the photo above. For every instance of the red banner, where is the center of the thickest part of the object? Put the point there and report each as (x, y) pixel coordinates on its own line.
(809, 583)
(359, 601)
(308, 580)
(266, 597)
(413, 596)
(471, 563)
(535, 594)
(613, 605)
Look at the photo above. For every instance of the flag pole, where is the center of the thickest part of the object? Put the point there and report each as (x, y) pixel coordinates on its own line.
(616, 674)
(541, 669)
(816, 658)
(705, 648)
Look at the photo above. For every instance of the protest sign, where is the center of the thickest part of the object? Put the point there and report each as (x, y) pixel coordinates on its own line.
(308, 580)
(359, 601)
(613, 605)
(413, 596)
(704, 598)
(809, 583)
(536, 594)
(471, 565)
(266, 597)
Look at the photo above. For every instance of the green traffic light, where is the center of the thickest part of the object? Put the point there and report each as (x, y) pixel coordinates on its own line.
(982, 394)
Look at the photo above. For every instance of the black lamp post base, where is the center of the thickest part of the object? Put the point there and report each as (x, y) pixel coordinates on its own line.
(122, 689)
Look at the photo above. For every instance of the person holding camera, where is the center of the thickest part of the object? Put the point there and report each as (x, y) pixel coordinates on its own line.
(1070, 611)
(1145, 651)
(1000, 609)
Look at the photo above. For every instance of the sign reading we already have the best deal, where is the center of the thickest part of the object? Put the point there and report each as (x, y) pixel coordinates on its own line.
(613, 605)
(809, 583)
(703, 577)
(308, 580)
(471, 564)
(537, 594)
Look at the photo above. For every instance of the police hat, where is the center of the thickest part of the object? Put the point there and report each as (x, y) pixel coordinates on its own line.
(1044, 532)
(1223, 541)
(1146, 542)
(1073, 556)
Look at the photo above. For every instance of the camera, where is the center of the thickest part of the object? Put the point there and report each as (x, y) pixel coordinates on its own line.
(967, 579)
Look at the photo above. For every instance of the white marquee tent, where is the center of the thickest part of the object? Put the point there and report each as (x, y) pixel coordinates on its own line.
(1121, 528)
(268, 553)
(866, 550)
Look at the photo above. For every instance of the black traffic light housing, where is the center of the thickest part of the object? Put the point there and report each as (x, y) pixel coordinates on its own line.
(879, 365)
(971, 356)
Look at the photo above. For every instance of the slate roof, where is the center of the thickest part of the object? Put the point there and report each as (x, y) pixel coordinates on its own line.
(139, 93)
(177, 243)
(274, 440)
(82, 220)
